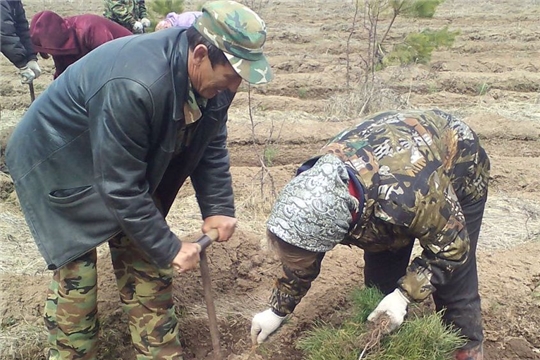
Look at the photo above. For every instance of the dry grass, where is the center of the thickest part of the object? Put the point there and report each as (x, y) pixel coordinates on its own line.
(255, 207)
(513, 110)
(509, 222)
(18, 252)
(360, 101)
(20, 340)
(10, 118)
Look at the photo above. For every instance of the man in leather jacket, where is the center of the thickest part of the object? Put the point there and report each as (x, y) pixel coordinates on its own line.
(101, 154)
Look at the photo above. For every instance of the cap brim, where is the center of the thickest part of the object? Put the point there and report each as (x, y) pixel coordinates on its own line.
(255, 72)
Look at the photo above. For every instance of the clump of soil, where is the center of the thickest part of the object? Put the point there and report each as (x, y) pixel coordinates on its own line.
(4, 137)
(6, 186)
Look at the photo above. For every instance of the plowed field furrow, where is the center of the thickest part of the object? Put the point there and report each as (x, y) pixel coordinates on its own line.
(489, 77)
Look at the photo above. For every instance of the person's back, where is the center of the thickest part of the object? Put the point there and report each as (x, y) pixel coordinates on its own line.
(60, 149)
(94, 30)
(410, 163)
(68, 40)
(433, 140)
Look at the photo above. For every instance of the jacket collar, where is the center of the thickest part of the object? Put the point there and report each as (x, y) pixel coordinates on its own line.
(181, 82)
(179, 75)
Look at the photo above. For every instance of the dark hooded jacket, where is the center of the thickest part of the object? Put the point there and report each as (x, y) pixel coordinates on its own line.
(69, 39)
(15, 37)
(99, 151)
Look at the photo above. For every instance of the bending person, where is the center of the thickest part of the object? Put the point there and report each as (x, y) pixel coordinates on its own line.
(394, 178)
(69, 39)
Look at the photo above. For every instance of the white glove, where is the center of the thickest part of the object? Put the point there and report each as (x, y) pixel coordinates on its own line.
(138, 27)
(145, 22)
(33, 65)
(27, 75)
(395, 306)
(264, 324)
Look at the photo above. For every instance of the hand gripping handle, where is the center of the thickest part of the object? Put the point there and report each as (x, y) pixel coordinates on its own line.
(208, 239)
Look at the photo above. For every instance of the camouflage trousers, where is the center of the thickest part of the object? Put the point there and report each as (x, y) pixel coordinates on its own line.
(145, 292)
(458, 299)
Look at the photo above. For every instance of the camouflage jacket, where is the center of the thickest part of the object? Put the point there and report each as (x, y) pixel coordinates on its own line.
(125, 12)
(415, 167)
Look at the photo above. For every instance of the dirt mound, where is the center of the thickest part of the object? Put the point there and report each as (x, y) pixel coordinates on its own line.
(6, 185)
(511, 301)
(242, 274)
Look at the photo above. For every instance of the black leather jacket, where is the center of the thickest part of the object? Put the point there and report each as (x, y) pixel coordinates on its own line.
(95, 152)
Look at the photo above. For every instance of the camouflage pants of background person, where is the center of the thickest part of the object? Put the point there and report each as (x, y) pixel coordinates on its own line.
(146, 294)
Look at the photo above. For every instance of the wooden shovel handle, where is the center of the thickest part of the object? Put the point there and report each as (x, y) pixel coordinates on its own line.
(207, 239)
(204, 242)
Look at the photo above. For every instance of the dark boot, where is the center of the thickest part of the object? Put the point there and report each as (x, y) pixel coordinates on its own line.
(476, 353)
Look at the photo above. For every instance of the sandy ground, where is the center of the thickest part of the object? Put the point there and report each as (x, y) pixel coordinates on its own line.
(490, 77)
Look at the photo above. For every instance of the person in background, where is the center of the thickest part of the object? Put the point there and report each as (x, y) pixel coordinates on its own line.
(67, 40)
(15, 40)
(185, 19)
(131, 14)
(101, 154)
(396, 177)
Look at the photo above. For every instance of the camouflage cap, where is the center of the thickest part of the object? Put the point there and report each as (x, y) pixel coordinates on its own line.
(240, 33)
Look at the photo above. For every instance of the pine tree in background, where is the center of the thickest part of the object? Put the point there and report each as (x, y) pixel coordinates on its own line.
(375, 18)
(163, 7)
(421, 8)
(417, 47)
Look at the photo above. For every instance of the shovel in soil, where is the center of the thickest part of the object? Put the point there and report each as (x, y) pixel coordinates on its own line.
(32, 92)
(204, 242)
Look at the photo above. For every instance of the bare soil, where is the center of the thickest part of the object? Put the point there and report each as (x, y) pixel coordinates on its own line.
(490, 77)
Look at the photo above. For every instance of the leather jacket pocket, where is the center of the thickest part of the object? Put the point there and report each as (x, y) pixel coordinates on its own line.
(70, 196)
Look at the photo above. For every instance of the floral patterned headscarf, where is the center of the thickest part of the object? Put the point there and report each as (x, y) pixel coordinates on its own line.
(313, 211)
